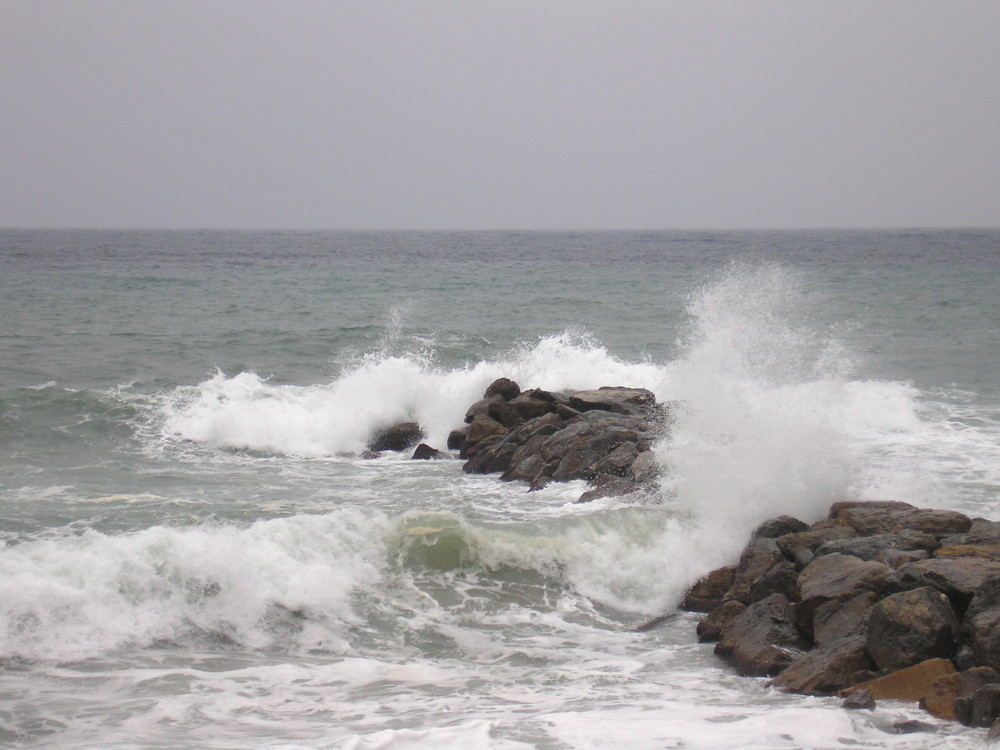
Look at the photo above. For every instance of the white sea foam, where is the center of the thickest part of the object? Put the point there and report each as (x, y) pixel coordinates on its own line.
(278, 583)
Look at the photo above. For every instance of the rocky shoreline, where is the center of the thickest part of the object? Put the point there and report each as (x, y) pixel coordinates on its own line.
(879, 600)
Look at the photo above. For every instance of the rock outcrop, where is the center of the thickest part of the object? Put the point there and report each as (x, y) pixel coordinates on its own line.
(602, 436)
(885, 597)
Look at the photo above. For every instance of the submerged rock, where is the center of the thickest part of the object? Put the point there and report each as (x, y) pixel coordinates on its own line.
(398, 437)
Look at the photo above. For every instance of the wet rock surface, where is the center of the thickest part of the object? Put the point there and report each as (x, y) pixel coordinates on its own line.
(898, 601)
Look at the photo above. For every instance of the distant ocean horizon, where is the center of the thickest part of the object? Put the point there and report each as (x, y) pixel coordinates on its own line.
(193, 551)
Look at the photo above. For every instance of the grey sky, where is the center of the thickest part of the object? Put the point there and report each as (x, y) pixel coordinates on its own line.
(511, 114)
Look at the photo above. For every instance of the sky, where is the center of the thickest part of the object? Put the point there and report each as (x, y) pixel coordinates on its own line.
(518, 114)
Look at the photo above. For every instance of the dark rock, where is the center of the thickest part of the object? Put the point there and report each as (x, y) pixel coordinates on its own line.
(481, 408)
(911, 627)
(859, 699)
(503, 387)
(957, 578)
(911, 726)
(985, 551)
(758, 557)
(799, 547)
(613, 487)
(835, 577)
(707, 593)
(940, 699)
(425, 452)
(866, 517)
(836, 619)
(619, 461)
(482, 427)
(981, 708)
(645, 468)
(761, 641)
(614, 399)
(368, 455)
(399, 437)
(530, 407)
(711, 627)
(993, 735)
(780, 579)
(827, 670)
(874, 547)
(780, 526)
(897, 558)
(456, 439)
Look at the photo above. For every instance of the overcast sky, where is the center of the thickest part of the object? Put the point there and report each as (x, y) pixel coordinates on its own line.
(500, 113)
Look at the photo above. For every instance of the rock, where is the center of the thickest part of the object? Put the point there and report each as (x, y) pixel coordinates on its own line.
(859, 699)
(866, 517)
(981, 708)
(481, 428)
(399, 437)
(911, 627)
(758, 557)
(957, 578)
(835, 577)
(706, 594)
(482, 408)
(614, 399)
(911, 726)
(993, 735)
(645, 468)
(940, 698)
(799, 547)
(837, 619)
(618, 462)
(529, 406)
(456, 439)
(986, 551)
(711, 628)
(761, 641)
(425, 452)
(780, 579)
(778, 527)
(503, 387)
(875, 547)
(613, 487)
(910, 684)
(827, 670)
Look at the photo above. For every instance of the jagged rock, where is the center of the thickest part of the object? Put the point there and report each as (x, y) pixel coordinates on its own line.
(612, 398)
(759, 557)
(612, 487)
(911, 627)
(762, 640)
(837, 619)
(529, 406)
(827, 670)
(981, 625)
(874, 547)
(456, 439)
(503, 387)
(866, 517)
(957, 578)
(644, 468)
(780, 579)
(712, 627)
(801, 546)
(398, 437)
(707, 592)
(835, 577)
(981, 708)
(482, 427)
(940, 699)
(859, 699)
(910, 684)
(778, 527)
(425, 452)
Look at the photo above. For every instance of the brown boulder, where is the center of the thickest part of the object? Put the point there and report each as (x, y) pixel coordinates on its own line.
(398, 437)
(503, 387)
(956, 577)
(762, 640)
(911, 627)
(837, 619)
(706, 594)
(835, 577)
(712, 627)
(827, 670)
(939, 700)
(758, 557)
(910, 684)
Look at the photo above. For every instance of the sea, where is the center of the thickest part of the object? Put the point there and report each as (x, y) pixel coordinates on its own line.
(195, 554)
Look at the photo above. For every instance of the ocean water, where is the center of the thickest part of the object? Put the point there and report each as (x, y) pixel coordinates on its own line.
(193, 554)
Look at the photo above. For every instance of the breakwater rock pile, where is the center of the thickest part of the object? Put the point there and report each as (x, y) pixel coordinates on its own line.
(602, 436)
(878, 600)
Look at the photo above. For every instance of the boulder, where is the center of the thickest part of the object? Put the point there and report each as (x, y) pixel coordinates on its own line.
(800, 547)
(981, 708)
(778, 527)
(838, 619)
(481, 428)
(911, 627)
(940, 699)
(425, 452)
(762, 640)
(859, 699)
(827, 670)
(910, 684)
(875, 547)
(503, 387)
(712, 627)
(835, 577)
(780, 579)
(398, 437)
(758, 557)
(707, 593)
(614, 399)
(456, 439)
(956, 577)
